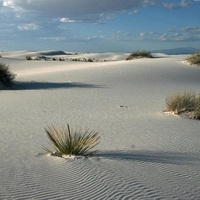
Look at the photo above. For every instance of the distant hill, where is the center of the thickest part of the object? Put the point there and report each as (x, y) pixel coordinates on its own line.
(182, 50)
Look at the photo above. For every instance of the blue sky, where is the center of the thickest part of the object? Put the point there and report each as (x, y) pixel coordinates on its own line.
(99, 25)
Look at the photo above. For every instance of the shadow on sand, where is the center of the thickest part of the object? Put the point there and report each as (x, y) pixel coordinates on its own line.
(51, 85)
(176, 158)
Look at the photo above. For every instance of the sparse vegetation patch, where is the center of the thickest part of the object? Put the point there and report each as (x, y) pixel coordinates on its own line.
(6, 76)
(186, 105)
(32, 58)
(139, 54)
(67, 141)
(194, 59)
(64, 59)
(28, 58)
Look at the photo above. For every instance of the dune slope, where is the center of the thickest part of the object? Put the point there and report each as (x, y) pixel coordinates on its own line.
(143, 153)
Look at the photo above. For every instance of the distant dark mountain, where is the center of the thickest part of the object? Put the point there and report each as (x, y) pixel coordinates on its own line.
(182, 50)
(53, 53)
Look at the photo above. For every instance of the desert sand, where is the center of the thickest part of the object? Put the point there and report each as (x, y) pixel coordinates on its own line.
(143, 152)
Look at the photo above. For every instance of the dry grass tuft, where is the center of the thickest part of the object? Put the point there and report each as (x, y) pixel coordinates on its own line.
(186, 104)
(194, 59)
(139, 54)
(67, 141)
(180, 102)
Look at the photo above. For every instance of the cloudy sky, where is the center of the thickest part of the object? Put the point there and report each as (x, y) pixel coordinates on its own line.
(99, 25)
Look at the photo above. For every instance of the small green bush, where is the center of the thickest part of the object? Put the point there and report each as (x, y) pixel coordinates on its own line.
(75, 59)
(186, 104)
(90, 60)
(28, 58)
(139, 54)
(180, 102)
(67, 141)
(6, 77)
(197, 107)
(194, 59)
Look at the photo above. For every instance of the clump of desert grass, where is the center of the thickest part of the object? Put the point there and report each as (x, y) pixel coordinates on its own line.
(32, 58)
(71, 142)
(194, 59)
(28, 58)
(6, 76)
(139, 54)
(186, 104)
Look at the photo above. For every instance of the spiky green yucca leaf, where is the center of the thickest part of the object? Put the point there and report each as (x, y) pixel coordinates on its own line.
(67, 141)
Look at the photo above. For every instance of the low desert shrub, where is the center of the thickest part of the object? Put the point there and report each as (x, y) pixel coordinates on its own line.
(186, 104)
(61, 59)
(67, 141)
(89, 60)
(139, 54)
(28, 58)
(197, 108)
(32, 58)
(6, 77)
(194, 59)
(180, 102)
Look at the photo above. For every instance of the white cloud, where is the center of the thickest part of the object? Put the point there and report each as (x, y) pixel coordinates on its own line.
(170, 30)
(30, 26)
(185, 3)
(75, 39)
(182, 4)
(11, 4)
(133, 12)
(142, 34)
(79, 10)
(149, 2)
(191, 29)
(94, 38)
(56, 39)
(8, 3)
(55, 17)
(67, 20)
(189, 33)
(169, 6)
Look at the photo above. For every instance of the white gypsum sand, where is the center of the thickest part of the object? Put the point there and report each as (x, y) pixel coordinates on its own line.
(144, 153)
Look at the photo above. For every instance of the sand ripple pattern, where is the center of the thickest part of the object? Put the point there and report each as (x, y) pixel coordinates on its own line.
(108, 175)
(123, 101)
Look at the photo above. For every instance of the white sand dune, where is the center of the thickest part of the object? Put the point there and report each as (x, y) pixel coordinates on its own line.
(144, 153)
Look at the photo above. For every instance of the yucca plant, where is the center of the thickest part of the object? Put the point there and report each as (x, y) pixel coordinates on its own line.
(6, 77)
(68, 142)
